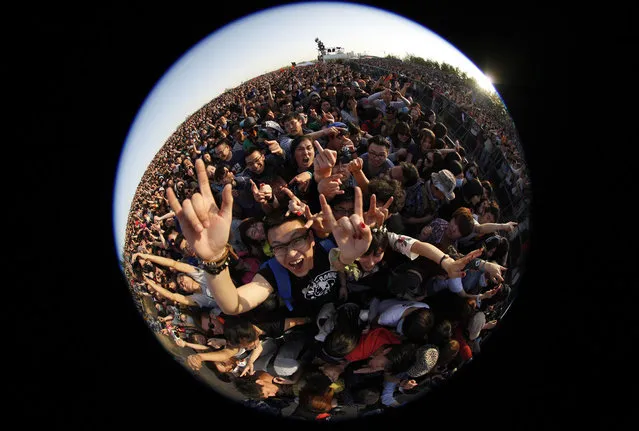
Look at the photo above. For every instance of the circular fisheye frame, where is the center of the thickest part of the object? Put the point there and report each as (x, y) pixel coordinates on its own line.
(337, 225)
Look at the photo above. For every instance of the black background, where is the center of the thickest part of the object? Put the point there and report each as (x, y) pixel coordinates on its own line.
(90, 360)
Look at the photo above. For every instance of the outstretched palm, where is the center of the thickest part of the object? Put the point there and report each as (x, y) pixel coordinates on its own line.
(205, 226)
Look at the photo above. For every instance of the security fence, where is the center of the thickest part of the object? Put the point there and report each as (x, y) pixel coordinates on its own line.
(513, 199)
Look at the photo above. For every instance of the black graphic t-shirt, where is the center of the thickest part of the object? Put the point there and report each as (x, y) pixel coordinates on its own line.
(310, 293)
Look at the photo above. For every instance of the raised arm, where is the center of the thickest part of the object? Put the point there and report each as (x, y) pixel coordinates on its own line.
(352, 235)
(165, 261)
(324, 161)
(195, 361)
(164, 217)
(206, 228)
(454, 268)
(494, 227)
(172, 296)
(355, 168)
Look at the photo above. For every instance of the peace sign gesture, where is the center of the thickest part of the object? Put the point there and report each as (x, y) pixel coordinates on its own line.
(205, 226)
(375, 217)
(352, 235)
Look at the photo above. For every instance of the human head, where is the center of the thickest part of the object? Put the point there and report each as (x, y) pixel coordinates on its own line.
(406, 173)
(426, 138)
(490, 214)
(254, 159)
(223, 175)
(384, 189)
(431, 117)
(317, 393)
(497, 248)
(461, 224)
(223, 149)
(346, 331)
(344, 204)
(472, 191)
(378, 148)
(456, 169)
(293, 124)
(292, 243)
(256, 386)
(375, 252)
(302, 152)
(417, 324)
(240, 332)
(440, 130)
(443, 183)
(402, 132)
(471, 171)
(187, 284)
(252, 233)
(393, 358)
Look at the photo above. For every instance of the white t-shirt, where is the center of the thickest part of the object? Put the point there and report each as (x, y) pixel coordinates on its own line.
(391, 311)
(402, 244)
(205, 298)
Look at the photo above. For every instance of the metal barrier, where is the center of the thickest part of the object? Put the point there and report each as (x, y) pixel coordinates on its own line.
(492, 162)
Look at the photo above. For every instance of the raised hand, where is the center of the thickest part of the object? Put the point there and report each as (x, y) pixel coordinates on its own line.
(274, 147)
(352, 235)
(327, 117)
(375, 216)
(490, 325)
(492, 272)
(455, 268)
(510, 226)
(324, 161)
(408, 384)
(355, 165)
(302, 180)
(249, 369)
(194, 362)
(295, 205)
(330, 186)
(205, 226)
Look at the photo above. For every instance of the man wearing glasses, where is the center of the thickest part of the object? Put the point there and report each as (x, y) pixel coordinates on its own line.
(304, 262)
(376, 162)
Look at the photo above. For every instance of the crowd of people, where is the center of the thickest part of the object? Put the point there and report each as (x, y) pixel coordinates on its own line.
(316, 240)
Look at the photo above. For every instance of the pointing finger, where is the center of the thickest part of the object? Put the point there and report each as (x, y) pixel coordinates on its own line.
(327, 212)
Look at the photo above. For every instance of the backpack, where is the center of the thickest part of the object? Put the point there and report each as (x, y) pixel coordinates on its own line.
(282, 278)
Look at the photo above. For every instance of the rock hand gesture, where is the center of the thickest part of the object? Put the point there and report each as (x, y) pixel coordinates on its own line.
(205, 226)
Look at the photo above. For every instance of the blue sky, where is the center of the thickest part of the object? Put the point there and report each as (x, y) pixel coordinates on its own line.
(203, 72)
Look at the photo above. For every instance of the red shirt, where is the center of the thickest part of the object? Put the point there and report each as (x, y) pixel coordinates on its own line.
(370, 342)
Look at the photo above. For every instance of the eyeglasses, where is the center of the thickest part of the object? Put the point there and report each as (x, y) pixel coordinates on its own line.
(295, 244)
(380, 155)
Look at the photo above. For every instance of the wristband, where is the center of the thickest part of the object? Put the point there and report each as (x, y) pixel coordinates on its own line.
(442, 259)
(215, 267)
